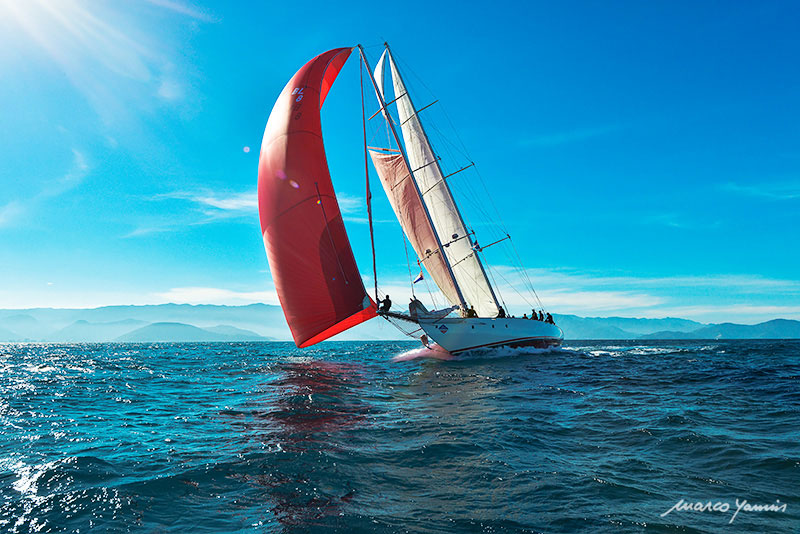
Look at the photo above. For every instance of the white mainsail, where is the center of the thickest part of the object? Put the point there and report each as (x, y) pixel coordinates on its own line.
(456, 242)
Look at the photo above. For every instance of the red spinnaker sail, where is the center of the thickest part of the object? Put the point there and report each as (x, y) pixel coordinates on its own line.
(312, 264)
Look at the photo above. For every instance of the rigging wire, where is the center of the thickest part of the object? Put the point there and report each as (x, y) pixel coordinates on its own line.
(479, 201)
(387, 116)
(494, 283)
(500, 274)
(420, 154)
(525, 275)
(366, 175)
(412, 333)
(408, 262)
(431, 293)
(390, 144)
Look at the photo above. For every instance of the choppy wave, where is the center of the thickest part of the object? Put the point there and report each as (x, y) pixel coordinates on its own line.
(592, 437)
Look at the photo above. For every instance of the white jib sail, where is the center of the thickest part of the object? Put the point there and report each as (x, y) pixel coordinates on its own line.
(436, 195)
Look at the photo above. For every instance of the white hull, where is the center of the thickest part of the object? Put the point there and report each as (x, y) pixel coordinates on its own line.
(455, 334)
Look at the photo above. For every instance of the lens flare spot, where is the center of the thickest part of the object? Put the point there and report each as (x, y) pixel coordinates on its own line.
(246, 149)
(294, 184)
(280, 174)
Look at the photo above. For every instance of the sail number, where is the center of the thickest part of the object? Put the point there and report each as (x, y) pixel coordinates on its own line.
(296, 106)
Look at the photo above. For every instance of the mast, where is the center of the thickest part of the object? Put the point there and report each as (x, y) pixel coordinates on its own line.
(366, 177)
(384, 109)
(443, 181)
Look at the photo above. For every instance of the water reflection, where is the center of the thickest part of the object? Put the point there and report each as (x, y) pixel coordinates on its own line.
(315, 399)
(305, 414)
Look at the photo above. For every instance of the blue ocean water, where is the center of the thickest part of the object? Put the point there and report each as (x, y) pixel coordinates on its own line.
(264, 437)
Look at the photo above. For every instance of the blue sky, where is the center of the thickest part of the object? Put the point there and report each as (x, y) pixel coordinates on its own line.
(645, 156)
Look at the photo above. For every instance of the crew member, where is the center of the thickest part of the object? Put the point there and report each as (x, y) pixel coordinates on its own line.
(386, 304)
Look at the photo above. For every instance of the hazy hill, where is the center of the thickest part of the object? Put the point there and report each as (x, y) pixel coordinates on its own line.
(8, 335)
(775, 329)
(83, 330)
(239, 333)
(24, 326)
(262, 319)
(174, 332)
(575, 327)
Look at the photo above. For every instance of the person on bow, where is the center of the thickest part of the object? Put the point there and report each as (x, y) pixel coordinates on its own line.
(386, 303)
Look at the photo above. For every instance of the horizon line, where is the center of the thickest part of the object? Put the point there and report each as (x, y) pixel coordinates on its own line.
(278, 306)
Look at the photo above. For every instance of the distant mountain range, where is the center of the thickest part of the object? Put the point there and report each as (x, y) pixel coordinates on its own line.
(164, 322)
(775, 329)
(262, 322)
(187, 332)
(168, 322)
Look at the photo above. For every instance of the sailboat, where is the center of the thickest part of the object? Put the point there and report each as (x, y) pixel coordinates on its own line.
(316, 277)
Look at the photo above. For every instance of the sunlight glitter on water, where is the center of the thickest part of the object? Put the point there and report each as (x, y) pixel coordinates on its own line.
(592, 437)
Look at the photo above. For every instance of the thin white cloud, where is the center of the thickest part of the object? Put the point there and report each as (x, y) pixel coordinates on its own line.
(231, 202)
(170, 90)
(350, 204)
(583, 302)
(571, 278)
(771, 191)
(183, 9)
(572, 301)
(144, 230)
(593, 294)
(238, 203)
(738, 297)
(14, 210)
(571, 136)
(354, 210)
(673, 220)
(10, 212)
(214, 206)
(216, 202)
(72, 178)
